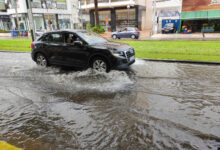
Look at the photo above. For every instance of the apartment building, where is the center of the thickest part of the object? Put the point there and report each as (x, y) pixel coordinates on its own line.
(4, 17)
(47, 14)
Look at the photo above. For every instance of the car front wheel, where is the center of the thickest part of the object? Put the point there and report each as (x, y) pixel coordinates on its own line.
(41, 60)
(99, 64)
(114, 37)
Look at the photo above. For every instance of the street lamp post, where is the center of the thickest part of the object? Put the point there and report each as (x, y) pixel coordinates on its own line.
(154, 13)
(31, 21)
(128, 7)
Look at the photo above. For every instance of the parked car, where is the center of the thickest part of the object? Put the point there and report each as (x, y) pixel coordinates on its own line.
(169, 28)
(81, 49)
(128, 32)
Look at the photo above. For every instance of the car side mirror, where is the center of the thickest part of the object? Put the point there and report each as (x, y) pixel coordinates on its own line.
(78, 43)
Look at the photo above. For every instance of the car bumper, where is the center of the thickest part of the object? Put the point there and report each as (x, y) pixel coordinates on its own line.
(123, 63)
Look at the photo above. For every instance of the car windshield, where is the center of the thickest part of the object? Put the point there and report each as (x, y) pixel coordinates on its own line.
(91, 38)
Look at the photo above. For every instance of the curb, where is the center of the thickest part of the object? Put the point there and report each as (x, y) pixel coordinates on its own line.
(183, 61)
(148, 59)
(5, 51)
(6, 146)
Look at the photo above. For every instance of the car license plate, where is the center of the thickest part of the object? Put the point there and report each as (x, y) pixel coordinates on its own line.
(132, 58)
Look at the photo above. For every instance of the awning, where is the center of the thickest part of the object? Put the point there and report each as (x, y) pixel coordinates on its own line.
(199, 15)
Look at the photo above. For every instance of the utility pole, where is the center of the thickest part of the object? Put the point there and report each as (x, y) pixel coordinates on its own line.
(16, 12)
(154, 17)
(30, 18)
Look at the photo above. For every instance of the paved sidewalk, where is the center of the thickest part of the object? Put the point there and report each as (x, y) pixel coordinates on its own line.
(194, 36)
(145, 35)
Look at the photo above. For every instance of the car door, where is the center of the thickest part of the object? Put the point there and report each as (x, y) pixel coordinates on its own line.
(54, 47)
(130, 31)
(123, 33)
(75, 52)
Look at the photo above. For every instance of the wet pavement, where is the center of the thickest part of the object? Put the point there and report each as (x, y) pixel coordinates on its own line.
(151, 106)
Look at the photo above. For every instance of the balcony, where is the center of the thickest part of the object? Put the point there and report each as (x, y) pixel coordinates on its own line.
(89, 4)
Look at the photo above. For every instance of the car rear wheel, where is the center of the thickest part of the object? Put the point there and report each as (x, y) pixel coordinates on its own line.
(41, 60)
(114, 37)
(99, 64)
(133, 36)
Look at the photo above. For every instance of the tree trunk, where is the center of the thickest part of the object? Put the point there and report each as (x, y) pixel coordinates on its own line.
(96, 12)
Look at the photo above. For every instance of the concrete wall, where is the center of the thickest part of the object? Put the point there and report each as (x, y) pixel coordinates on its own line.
(149, 15)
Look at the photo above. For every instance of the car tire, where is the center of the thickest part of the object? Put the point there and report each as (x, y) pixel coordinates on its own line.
(133, 36)
(114, 37)
(41, 60)
(99, 64)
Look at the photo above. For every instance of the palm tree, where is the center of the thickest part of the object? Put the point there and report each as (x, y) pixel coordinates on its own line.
(96, 12)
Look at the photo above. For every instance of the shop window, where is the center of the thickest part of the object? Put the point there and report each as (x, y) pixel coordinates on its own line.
(215, 1)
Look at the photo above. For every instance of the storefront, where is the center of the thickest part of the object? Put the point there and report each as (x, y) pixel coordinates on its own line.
(5, 23)
(21, 23)
(200, 17)
(39, 22)
(116, 18)
(125, 18)
(51, 22)
(64, 21)
(202, 21)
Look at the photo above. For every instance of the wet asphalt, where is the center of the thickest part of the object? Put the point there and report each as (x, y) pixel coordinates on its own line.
(152, 105)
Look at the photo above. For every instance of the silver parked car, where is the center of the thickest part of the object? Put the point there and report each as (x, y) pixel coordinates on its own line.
(128, 32)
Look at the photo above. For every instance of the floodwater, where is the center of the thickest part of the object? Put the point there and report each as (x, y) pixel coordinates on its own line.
(151, 106)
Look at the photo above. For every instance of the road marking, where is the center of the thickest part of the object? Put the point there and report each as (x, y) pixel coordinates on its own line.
(6, 146)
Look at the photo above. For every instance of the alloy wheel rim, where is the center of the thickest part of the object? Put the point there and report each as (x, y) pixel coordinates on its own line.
(133, 37)
(100, 65)
(41, 60)
(114, 36)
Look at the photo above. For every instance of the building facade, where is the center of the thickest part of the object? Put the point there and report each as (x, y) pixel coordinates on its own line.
(47, 14)
(166, 11)
(115, 14)
(201, 15)
(4, 17)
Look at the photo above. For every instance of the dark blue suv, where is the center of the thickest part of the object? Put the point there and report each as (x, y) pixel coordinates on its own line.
(128, 32)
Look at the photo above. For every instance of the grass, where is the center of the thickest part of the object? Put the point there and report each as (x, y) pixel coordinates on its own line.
(177, 50)
(22, 45)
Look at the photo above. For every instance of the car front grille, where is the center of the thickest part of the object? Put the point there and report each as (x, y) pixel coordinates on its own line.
(130, 53)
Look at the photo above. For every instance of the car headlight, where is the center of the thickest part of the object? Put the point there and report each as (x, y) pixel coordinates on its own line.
(117, 53)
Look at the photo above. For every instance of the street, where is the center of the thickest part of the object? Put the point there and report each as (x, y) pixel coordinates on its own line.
(153, 105)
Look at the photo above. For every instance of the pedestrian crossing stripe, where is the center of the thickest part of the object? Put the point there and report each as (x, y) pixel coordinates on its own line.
(6, 146)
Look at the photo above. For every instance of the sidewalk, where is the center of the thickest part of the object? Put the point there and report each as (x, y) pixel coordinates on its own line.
(146, 35)
(193, 36)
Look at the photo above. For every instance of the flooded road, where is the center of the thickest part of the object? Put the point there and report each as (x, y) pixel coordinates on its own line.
(151, 106)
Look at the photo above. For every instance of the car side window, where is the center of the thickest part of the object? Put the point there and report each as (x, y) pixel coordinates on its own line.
(54, 37)
(124, 30)
(130, 29)
(71, 38)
